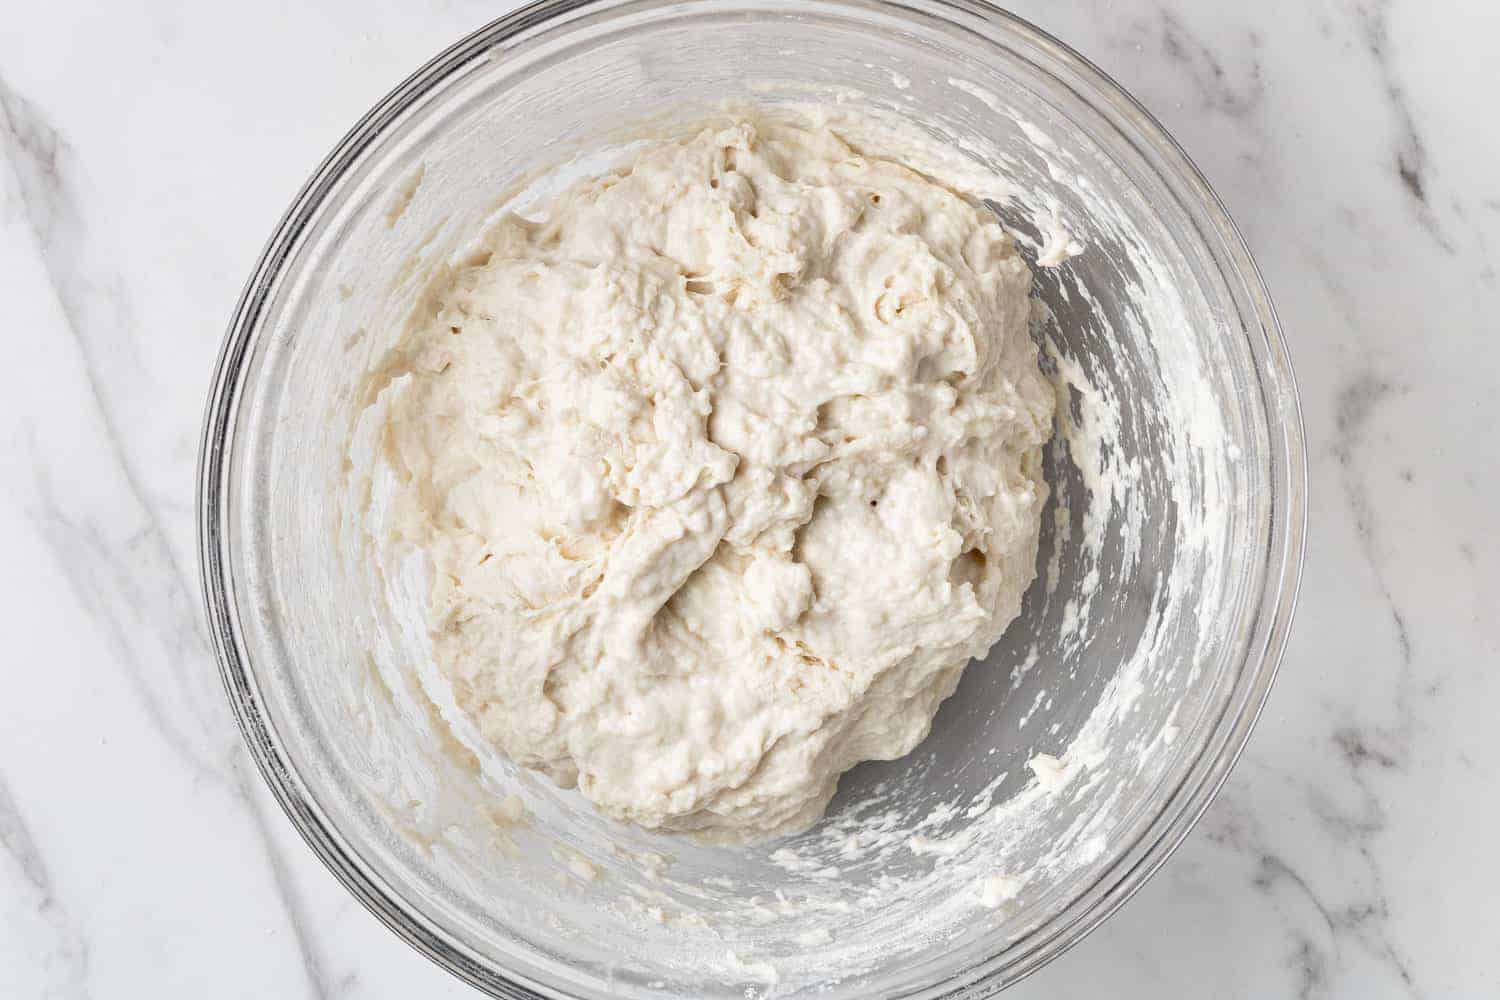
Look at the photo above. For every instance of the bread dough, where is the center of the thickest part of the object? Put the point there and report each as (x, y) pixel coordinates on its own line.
(725, 469)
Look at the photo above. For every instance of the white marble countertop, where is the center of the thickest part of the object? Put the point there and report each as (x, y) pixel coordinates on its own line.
(146, 150)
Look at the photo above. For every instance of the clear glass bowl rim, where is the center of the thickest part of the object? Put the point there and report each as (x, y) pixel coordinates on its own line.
(1281, 574)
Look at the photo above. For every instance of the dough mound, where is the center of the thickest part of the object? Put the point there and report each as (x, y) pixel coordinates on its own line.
(725, 470)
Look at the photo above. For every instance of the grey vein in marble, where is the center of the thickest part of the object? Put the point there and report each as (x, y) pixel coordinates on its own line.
(1359, 922)
(1411, 156)
(132, 582)
(1217, 90)
(66, 961)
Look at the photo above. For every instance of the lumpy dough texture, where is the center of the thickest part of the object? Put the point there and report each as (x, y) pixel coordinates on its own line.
(725, 469)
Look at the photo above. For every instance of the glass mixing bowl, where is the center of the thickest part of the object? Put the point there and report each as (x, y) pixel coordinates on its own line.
(1071, 760)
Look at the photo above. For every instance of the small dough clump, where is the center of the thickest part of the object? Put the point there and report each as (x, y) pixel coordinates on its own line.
(725, 469)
